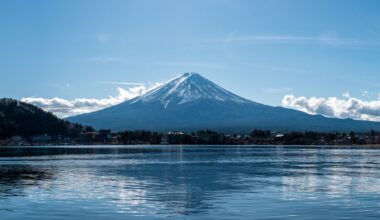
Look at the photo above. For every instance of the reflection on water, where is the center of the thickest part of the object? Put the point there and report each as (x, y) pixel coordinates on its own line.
(13, 178)
(215, 182)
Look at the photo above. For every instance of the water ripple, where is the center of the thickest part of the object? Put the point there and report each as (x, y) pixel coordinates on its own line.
(207, 182)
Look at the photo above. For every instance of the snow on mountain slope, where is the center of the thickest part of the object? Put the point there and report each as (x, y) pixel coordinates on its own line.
(190, 102)
(186, 88)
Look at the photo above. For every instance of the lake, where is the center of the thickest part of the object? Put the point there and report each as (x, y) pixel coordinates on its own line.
(189, 182)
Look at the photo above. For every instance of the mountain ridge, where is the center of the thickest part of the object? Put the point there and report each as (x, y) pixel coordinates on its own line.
(191, 102)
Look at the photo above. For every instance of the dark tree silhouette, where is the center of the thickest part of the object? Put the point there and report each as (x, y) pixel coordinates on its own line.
(19, 118)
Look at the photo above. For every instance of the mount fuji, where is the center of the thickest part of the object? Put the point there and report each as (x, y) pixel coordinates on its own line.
(191, 102)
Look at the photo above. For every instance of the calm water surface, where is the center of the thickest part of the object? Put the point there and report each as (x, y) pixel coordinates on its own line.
(189, 182)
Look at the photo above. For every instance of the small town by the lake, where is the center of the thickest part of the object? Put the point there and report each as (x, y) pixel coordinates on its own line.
(206, 137)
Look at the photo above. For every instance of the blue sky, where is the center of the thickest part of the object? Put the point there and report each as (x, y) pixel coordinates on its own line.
(261, 50)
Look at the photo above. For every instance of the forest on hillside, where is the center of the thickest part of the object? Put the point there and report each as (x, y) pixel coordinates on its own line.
(19, 118)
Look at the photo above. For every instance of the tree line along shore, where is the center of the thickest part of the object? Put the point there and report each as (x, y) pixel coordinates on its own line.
(23, 124)
(204, 137)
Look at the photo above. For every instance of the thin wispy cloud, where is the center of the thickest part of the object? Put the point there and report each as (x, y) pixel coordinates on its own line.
(121, 83)
(326, 39)
(278, 90)
(365, 94)
(279, 69)
(104, 59)
(190, 64)
(269, 38)
(102, 38)
(57, 85)
(346, 95)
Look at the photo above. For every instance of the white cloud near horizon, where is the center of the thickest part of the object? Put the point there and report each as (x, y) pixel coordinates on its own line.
(65, 108)
(346, 107)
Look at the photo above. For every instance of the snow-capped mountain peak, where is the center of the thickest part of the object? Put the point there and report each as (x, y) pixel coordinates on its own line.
(186, 88)
(190, 102)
